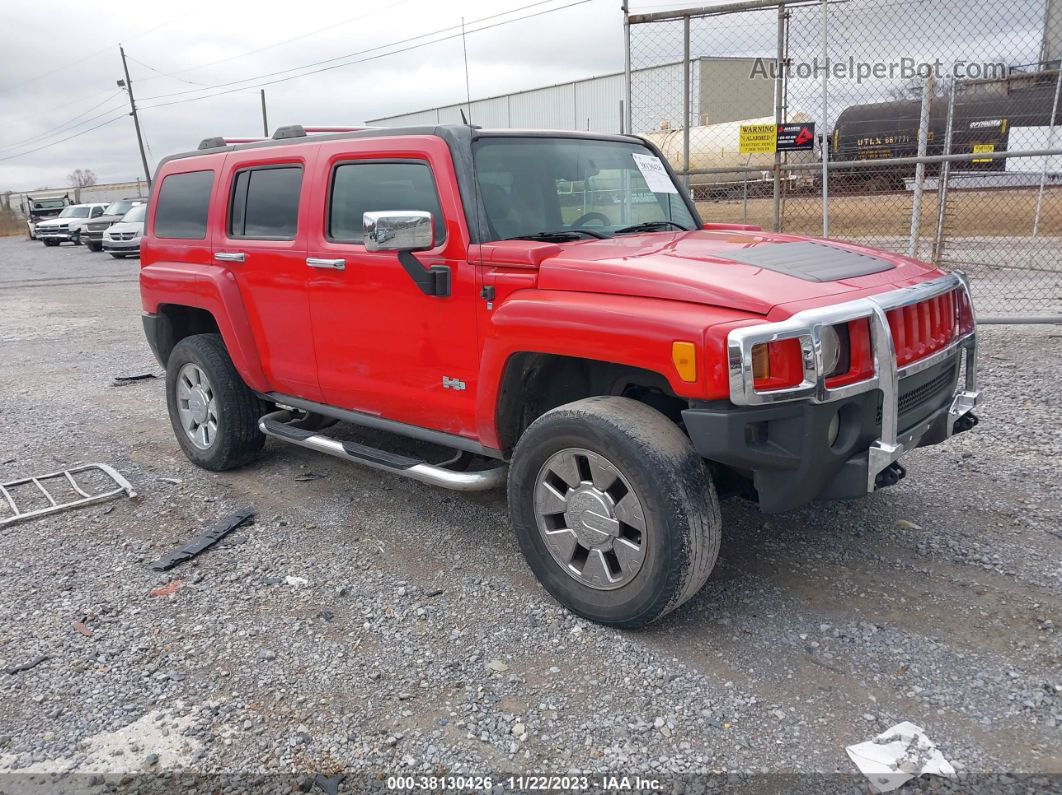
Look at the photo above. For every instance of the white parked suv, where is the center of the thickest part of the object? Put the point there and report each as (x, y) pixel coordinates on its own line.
(68, 224)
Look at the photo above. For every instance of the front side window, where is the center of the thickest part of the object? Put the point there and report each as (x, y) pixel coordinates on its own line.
(570, 188)
(182, 205)
(265, 203)
(358, 188)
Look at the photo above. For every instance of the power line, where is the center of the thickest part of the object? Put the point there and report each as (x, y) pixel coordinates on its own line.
(161, 74)
(93, 54)
(333, 26)
(359, 60)
(54, 130)
(64, 140)
(362, 52)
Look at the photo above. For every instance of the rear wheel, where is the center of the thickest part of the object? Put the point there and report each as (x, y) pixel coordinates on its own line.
(213, 413)
(614, 510)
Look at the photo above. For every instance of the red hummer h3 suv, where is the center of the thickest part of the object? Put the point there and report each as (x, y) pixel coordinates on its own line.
(549, 307)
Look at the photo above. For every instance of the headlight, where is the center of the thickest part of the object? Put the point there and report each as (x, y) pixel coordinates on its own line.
(831, 350)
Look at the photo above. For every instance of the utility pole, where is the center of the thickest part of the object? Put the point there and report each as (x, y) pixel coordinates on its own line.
(265, 119)
(128, 85)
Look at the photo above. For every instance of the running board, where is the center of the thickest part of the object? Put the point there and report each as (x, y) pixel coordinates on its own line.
(276, 425)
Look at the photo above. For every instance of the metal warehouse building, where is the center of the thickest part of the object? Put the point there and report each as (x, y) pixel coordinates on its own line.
(723, 90)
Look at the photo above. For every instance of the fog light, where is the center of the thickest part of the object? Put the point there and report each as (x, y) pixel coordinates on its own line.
(833, 429)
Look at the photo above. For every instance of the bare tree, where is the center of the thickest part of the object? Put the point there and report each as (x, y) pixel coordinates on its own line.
(81, 178)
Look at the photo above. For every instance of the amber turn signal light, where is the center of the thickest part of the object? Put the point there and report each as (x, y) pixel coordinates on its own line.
(684, 355)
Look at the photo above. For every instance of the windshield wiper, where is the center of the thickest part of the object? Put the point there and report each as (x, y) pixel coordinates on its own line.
(649, 226)
(560, 235)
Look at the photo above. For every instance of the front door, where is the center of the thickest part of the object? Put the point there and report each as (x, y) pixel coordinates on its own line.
(383, 346)
(263, 243)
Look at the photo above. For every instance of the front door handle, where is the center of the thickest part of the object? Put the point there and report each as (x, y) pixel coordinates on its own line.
(333, 264)
(229, 256)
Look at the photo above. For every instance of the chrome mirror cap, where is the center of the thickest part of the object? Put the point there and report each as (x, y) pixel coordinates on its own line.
(398, 230)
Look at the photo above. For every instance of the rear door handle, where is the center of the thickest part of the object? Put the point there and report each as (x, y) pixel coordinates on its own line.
(229, 256)
(333, 264)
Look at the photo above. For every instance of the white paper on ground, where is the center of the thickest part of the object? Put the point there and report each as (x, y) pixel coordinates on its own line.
(654, 173)
(898, 755)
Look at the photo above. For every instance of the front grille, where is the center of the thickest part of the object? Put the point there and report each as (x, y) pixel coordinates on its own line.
(920, 329)
(920, 395)
(913, 398)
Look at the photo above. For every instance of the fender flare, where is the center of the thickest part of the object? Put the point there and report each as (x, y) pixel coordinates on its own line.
(213, 290)
(625, 330)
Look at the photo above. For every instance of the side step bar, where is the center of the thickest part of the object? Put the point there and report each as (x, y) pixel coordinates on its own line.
(276, 425)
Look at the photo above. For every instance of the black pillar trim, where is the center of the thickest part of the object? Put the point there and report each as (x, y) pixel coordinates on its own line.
(431, 281)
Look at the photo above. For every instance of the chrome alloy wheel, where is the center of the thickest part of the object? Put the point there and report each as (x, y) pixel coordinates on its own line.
(590, 518)
(196, 406)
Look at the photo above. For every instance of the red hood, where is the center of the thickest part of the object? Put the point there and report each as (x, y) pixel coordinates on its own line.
(692, 267)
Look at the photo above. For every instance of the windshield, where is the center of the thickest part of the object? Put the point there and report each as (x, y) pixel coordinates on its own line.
(118, 208)
(135, 215)
(569, 188)
(77, 211)
(47, 204)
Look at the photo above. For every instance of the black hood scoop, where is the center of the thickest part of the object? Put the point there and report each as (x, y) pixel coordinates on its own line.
(811, 261)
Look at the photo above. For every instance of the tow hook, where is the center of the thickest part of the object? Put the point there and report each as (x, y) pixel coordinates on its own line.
(890, 476)
(964, 423)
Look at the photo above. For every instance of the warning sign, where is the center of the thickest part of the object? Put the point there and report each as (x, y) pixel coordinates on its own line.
(758, 138)
(794, 137)
(980, 149)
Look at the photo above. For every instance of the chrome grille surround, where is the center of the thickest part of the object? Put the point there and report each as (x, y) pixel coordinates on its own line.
(806, 327)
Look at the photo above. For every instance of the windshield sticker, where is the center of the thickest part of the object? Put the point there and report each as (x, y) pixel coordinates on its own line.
(656, 176)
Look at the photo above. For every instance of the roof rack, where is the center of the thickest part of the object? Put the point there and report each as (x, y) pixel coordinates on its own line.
(298, 131)
(212, 143)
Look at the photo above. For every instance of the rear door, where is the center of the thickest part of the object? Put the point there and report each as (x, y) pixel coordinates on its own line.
(262, 240)
(383, 346)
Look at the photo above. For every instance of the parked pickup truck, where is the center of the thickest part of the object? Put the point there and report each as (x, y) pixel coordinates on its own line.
(550, 308)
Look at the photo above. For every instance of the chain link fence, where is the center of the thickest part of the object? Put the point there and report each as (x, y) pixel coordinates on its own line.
(937, 118)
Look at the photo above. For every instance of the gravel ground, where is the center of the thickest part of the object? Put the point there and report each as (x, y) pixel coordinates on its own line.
(366, 623)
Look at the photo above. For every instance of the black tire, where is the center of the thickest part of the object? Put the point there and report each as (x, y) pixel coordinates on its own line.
(670, 480)
(118, 256)
(237, 440)
(76, 238)
(94, 246)
(50, 242)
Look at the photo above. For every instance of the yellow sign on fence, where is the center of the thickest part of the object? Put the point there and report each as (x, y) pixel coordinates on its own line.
(983, 148)
(758, 138)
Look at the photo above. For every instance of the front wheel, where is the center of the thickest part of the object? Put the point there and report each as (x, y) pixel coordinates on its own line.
(76, 238)
(213, 413)
(614, 510)
(118, 256)
(94, 246)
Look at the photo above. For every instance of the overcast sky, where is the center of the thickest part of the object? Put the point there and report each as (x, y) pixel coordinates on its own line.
(60, 62)
(197, 65)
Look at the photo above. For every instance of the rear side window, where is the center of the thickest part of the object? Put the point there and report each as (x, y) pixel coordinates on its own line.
(358, 188)
(182, 204)
(265, 203)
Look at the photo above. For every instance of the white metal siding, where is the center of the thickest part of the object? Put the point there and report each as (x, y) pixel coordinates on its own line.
(656, 94)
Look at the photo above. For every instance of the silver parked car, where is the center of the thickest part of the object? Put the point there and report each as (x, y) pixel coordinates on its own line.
(123, 238)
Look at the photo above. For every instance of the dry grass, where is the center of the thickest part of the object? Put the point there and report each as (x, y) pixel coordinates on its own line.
(994, 213)
(10, 223)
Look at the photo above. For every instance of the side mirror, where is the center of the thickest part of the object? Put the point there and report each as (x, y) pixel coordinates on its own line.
(398, 230)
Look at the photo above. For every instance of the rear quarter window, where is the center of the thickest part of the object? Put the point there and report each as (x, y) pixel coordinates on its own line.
(182, 205)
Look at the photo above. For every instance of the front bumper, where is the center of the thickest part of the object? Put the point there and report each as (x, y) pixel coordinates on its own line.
(124, 246)
(54, 234)
(782, 441)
